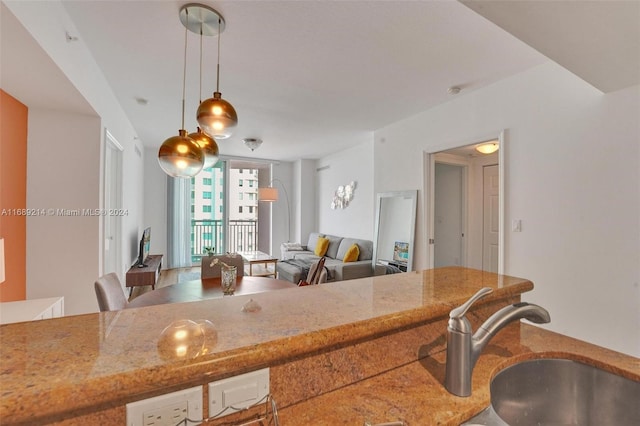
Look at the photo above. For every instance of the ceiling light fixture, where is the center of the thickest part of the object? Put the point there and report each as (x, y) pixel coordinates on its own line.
(487, 148)
(252, 143)
(181, 156)
(216, 116)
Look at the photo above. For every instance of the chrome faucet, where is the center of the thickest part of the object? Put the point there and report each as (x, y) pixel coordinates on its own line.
(463, 349)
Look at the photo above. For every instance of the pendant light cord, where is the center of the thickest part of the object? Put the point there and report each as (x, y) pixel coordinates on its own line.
(218, 66)
(184, 69)
(200, 88)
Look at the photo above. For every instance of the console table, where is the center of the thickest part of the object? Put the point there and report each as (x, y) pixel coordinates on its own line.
(146, 275)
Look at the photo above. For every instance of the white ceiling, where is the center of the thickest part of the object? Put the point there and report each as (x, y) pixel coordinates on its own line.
(308, 77)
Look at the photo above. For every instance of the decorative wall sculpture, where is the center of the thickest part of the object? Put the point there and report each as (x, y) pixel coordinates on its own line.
(343, 196)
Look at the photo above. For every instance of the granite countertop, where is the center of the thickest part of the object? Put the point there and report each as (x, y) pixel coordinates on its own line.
(111, 358)
(414, 393)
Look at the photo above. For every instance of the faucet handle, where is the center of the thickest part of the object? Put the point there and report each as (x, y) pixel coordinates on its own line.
(460, 311)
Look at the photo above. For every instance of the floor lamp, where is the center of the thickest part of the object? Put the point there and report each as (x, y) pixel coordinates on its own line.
(270, 195)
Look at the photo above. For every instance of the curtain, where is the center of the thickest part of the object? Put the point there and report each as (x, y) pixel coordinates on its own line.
(178, 222)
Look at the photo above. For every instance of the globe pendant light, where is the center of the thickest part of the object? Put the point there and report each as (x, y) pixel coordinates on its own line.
(216, 116)
(181, 156)
(209, 148)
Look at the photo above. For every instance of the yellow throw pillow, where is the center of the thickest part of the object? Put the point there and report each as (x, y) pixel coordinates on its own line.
(321, 246)
(352, 254)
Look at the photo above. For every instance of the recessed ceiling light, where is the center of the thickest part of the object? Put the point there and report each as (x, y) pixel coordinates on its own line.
(141, 101)
(453, 90)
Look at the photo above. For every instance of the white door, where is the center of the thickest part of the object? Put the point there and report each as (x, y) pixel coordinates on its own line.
(449, 219)
(491, 214)
(112, 205)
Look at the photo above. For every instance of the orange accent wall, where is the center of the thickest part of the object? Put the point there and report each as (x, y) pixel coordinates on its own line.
(13, 195)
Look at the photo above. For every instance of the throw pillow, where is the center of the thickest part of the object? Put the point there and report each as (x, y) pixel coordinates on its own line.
(352, 254)
(321, 246)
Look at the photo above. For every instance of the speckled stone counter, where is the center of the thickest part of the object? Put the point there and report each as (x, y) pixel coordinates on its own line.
(84, 369)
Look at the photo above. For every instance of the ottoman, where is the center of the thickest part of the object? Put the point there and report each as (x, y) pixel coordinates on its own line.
(289, 272)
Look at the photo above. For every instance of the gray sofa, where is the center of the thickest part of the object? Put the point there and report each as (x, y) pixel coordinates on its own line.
(300, 254)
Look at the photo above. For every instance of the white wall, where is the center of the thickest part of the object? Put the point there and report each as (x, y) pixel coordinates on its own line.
(62, 248)
(572, 177)
(306, 210)
(49, 184)
(354, 164)
(155, 204)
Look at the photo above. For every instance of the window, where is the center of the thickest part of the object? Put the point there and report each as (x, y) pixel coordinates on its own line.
(251, 184)
(193, 208)
(239, 182)
(250, 209)
(206, 181)
(252, 196)
(206, 195)
(240, 194)
(240, 209)
(206, 209)
(241, 171)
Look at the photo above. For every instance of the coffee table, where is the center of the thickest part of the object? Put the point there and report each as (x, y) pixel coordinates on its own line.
(260, 258)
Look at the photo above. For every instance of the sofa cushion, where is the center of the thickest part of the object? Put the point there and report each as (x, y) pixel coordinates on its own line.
(313, 240)
(334, 245)
(352, 254)
(365, 246)
(321, 246)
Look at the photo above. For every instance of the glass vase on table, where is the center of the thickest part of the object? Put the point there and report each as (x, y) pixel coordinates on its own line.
(228, 276)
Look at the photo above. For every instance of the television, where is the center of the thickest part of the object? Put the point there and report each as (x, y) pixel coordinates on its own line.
(145, 244)
(401, 252)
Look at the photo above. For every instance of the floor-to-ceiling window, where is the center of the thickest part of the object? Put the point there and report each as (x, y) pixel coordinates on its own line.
(224, 209)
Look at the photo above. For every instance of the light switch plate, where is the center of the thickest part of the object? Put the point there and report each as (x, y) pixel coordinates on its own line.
(236, 393)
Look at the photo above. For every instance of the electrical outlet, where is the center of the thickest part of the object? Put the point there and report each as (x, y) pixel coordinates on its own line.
(168, 409)
(170, 415)
(237, 393)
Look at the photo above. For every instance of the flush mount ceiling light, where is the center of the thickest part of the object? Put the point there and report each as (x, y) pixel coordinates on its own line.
(487, 148)
(216, 116)
(252, 143)
(181, 156)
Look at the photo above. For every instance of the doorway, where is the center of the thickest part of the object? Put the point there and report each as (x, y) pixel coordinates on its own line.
(112, 202)
(465, 214)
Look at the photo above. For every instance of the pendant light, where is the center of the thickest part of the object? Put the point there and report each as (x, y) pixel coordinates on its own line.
(216, 116)
(181, 156)
(207, 143)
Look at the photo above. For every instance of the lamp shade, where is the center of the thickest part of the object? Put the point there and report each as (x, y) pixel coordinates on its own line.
(180, 156)
(217, 117)
(209, 148)
(268, 194)
(1, 260)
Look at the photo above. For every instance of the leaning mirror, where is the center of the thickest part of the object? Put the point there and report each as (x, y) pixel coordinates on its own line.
(394, 229)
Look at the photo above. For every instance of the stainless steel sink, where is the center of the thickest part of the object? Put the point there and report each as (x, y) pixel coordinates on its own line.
(560, 392)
